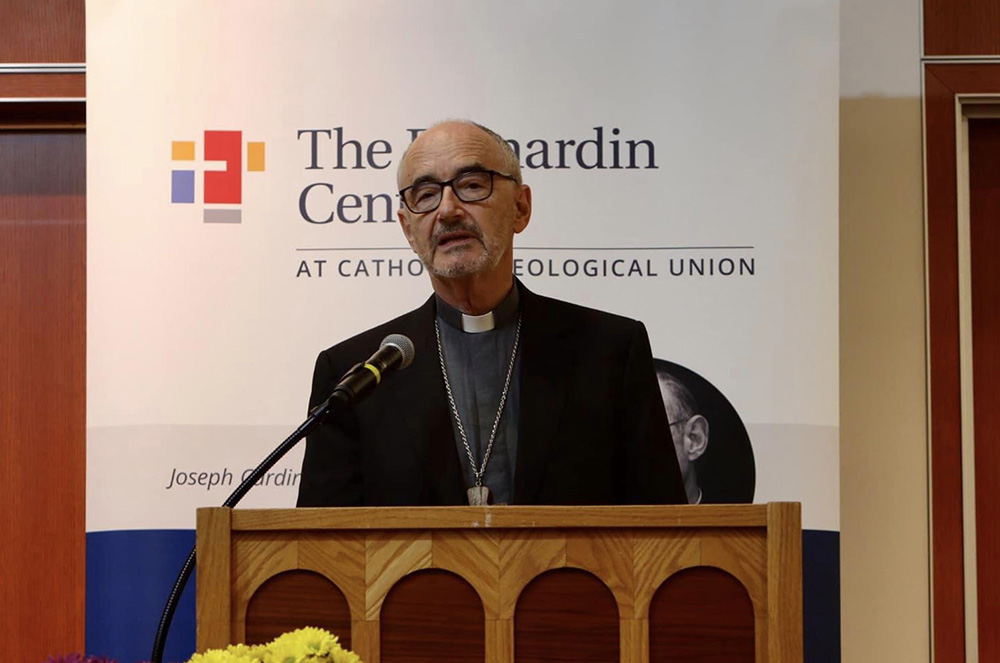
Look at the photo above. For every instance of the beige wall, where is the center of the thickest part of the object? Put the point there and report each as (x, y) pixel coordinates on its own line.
(884, 512)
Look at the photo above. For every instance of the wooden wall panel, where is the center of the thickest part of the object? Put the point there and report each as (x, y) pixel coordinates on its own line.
(42, 335)
(969, 27)
(42, 31)
(42, 85)
(946, 428)
(943, 83)
(42, 383)
(984, 222)
(42, 115)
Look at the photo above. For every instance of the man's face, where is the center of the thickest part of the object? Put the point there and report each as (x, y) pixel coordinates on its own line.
(688, 431)
(462, 239)
(678, 426)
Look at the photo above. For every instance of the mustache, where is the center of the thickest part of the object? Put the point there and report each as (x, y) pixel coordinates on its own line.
(465, 227)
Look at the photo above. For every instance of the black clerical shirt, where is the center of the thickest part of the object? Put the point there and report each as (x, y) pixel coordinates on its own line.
(477, 354)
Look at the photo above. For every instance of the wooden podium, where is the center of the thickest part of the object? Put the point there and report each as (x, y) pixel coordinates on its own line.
(617, 584)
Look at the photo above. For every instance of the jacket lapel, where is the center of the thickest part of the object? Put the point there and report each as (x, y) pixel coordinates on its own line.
(546, 360)
(427, 422)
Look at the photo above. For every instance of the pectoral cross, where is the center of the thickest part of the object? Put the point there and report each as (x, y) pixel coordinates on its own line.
(479, 496)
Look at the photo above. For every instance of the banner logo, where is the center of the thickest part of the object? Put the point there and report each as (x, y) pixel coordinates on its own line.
(221, 186)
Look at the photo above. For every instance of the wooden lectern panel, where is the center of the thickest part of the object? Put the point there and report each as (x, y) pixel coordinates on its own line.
(566, 616)
(701, 615)
(294, 599)
(499, 584)
(432, 616)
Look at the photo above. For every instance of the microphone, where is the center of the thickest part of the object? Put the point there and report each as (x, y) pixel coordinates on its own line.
(394, 353)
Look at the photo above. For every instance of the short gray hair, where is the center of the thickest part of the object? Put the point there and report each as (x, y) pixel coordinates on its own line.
(510, 161)
(684, 403)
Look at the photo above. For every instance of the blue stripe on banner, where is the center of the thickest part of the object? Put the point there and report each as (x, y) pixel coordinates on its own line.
(129, 574)
(821, 596)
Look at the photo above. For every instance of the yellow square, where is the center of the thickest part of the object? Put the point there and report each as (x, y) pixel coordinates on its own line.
(255, 156)
(182, 150)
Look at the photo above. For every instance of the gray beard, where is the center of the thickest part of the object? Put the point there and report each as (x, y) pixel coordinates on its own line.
(486, 261)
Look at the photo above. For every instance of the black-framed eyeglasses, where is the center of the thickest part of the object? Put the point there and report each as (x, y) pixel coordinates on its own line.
(471, 186)
(682, 421)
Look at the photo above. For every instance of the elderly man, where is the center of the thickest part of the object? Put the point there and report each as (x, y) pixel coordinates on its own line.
(688, 429)
(513, 397)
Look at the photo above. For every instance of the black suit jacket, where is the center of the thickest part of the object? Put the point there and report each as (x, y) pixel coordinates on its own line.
(592, 426)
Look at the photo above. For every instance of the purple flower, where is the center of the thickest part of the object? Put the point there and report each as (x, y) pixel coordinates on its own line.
(78, 658)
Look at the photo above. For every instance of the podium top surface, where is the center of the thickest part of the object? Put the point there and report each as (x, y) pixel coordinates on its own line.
(508, 517)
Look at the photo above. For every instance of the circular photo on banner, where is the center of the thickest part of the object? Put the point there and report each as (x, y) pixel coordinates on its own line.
(712, 444)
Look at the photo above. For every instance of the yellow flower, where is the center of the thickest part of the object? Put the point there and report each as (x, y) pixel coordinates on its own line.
(286, 652)
(305, 644)
(231, 654)
(245, 654)
(252, 654)
(341, 655)
(211, 656)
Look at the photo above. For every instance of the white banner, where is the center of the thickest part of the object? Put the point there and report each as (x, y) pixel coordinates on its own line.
(241, 216)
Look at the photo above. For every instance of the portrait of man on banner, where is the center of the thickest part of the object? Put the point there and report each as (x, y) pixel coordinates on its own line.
(711, 442)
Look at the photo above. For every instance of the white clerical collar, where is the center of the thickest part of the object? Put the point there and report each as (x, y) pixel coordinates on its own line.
(505, 313)
(475, 324)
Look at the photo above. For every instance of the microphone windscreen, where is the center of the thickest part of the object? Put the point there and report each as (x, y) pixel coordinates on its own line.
(403, 344)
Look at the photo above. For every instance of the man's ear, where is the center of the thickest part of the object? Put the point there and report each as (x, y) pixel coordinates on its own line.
(696, 439)
(404, 223)
(522, 204)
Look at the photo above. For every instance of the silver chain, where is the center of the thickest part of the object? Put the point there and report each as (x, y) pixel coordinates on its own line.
(454, 409)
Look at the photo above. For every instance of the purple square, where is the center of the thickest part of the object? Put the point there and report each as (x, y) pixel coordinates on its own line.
(182, 186)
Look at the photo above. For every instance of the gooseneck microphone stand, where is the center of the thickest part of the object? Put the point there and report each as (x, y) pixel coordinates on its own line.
(394, 353)
(316, 415)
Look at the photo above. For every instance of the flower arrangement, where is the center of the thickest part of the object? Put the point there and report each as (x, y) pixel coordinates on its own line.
(306, 645)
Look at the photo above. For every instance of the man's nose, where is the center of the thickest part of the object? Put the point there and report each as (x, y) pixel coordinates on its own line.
(451, 206)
